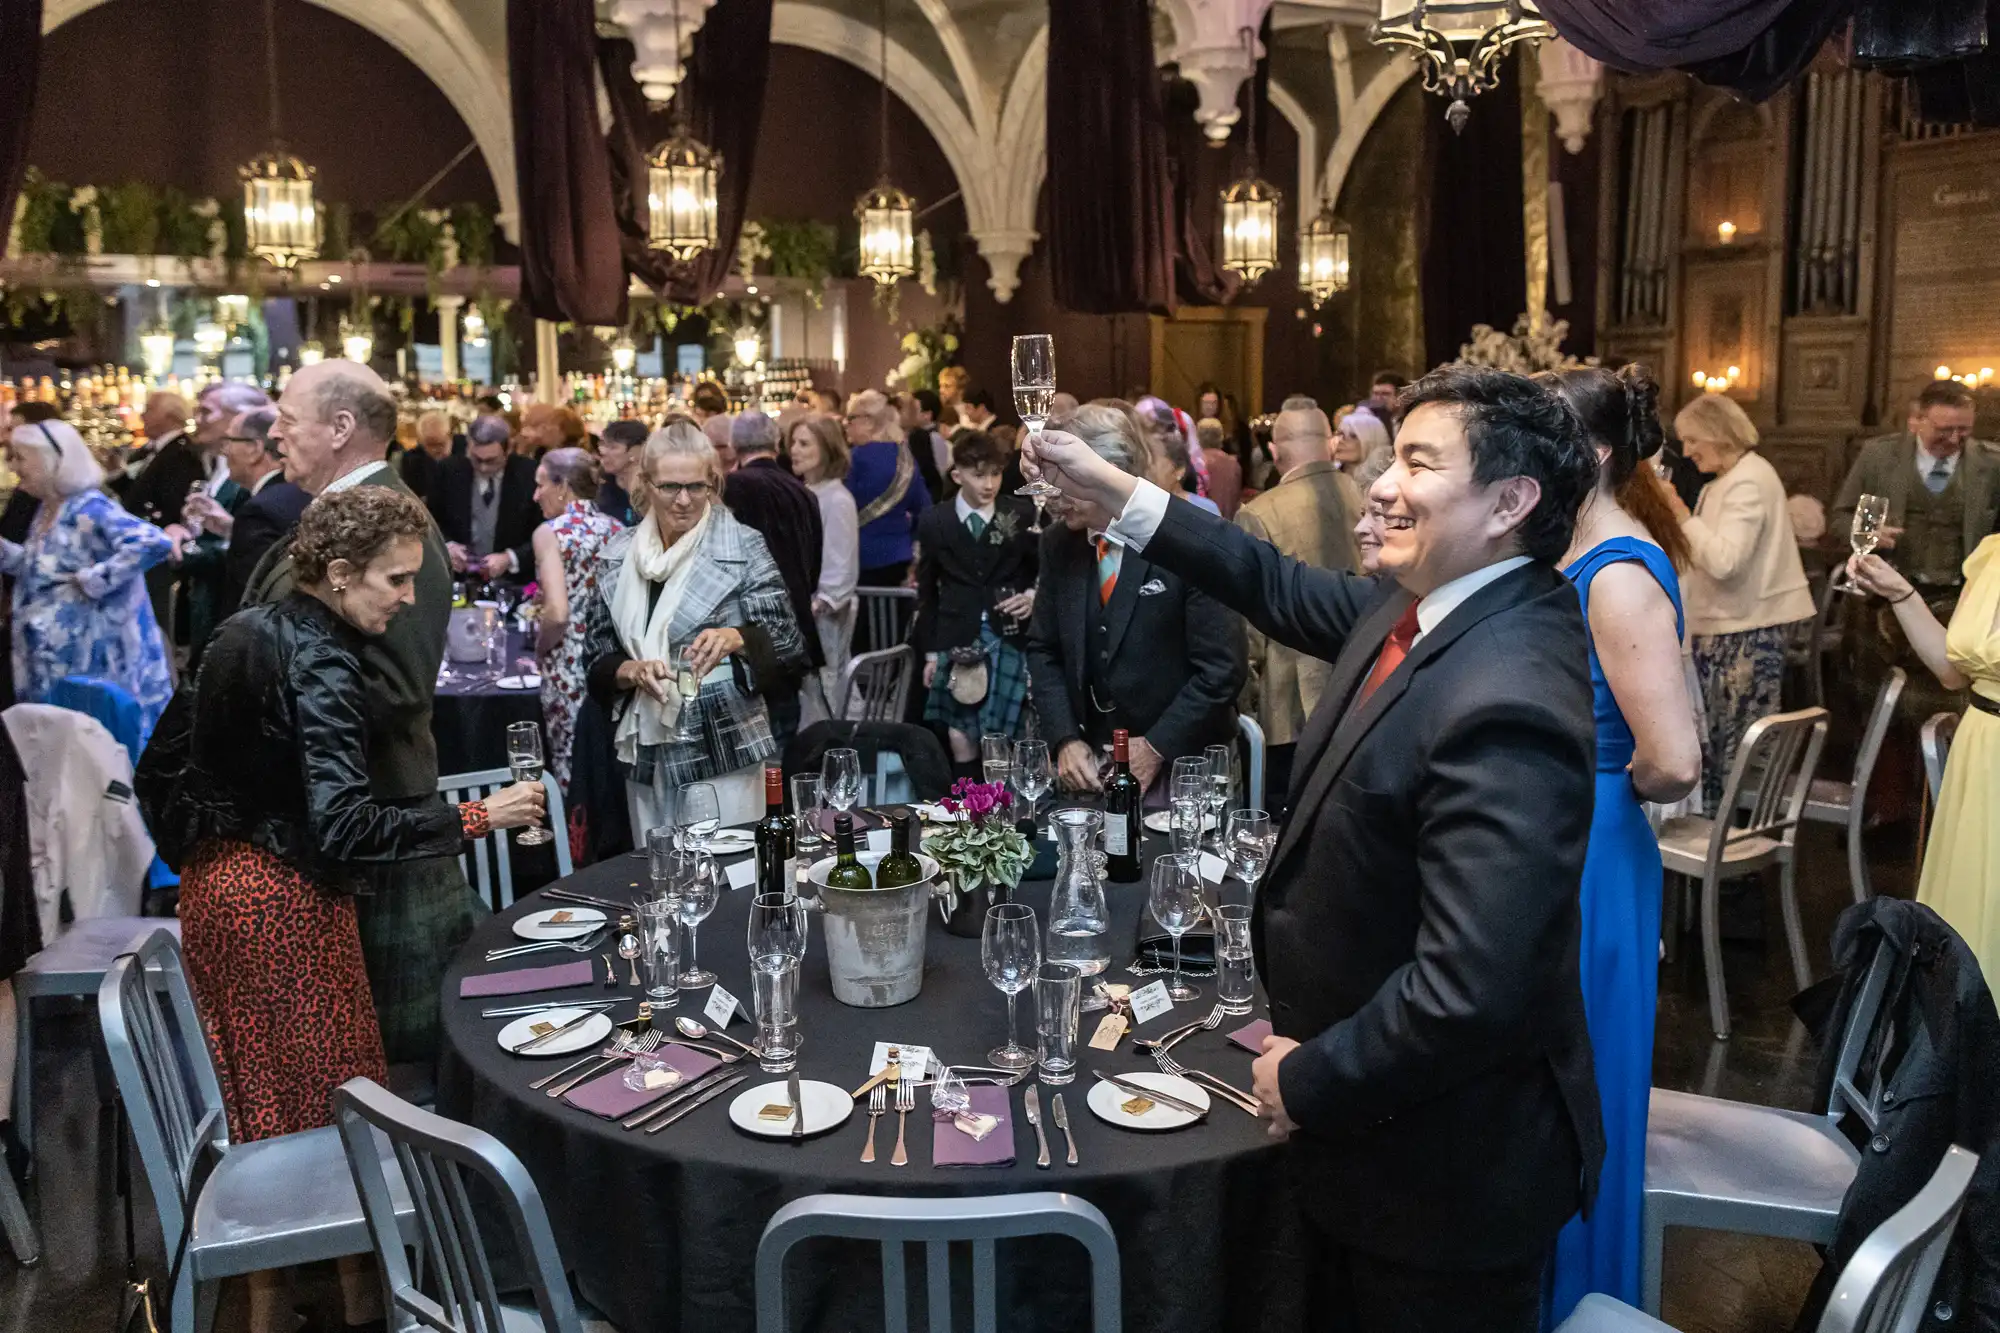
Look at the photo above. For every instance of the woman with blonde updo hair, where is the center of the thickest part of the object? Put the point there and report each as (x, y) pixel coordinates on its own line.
(256, 787)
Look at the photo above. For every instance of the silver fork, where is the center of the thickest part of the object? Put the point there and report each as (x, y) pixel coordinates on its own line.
(645, 1045)
(1178, 1035)
(1242, 1100)
(619, 1045)
(878, 1102)
(584, 945)
(906, 1102)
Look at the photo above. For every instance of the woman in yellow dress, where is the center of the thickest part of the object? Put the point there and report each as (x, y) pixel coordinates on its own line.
(1961, 879)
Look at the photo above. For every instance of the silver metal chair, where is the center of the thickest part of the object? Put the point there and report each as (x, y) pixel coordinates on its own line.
(1758, 1170)
(1830, 801)
(1253, 760)
(937, 1223)
(1773, 772)
(489, 862)
(1938, 731)
(267, 1204)
(435, 1156)
(1819, 637)
(1884, 1287)
(875, 687)
(886, 616)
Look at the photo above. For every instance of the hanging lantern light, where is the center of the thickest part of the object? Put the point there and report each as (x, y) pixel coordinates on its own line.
(1459, 43)
(474, 325)
(746, 346)
(280, 219)
(888, 217)
(680, 185)
(1324, 264)
(311, 353)
(156, 345)
(1250, 205)
(209, 339)
(357, 343)
(624, 355)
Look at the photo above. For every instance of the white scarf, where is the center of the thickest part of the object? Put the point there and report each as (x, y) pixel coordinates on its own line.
(648, 721)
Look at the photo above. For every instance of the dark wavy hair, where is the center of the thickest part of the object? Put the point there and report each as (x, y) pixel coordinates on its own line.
(355, 525)
(1620, 410)
(1517, 428)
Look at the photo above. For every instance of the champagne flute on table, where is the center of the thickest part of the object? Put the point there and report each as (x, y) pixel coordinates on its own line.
(1034, 392)
(1010, 946)
(1187, 804)
(1218, 757)
(524, 758)
(1032, 776)
(1871, 514)
(1174, 899)
(697, 814)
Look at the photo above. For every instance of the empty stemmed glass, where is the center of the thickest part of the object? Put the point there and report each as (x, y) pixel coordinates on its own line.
(1174, 898)
(697, 814)
(840, 778)
(697, 881)
(1219, 758)
(1032, 777)
(1248, 840)
(524, 759)
(1034, 394)
(1011, 948)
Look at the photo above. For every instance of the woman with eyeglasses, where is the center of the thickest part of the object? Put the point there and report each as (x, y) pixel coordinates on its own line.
(80, 604)
(696, 616)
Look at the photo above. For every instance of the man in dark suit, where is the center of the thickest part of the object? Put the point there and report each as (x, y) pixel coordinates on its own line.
(764, 494)
(1119, 641)
(1417, 925)
(422, 466)
(484, 503)
(268, 510)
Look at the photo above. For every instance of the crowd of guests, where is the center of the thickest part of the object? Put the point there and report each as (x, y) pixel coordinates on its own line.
(292, 565)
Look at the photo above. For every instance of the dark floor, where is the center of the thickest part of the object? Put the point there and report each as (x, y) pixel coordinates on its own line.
(1714, 1283)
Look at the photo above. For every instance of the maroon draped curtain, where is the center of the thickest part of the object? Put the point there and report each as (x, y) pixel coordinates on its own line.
(571, 268)
(20, 65)
(1111, 205)
(1473, 272)
(635, 128)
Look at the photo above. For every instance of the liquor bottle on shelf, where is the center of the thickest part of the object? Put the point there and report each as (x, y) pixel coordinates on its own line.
(774, 836)
(847, 872)
(1122, 796)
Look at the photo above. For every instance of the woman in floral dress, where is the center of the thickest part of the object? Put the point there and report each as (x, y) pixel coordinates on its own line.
(569, 565)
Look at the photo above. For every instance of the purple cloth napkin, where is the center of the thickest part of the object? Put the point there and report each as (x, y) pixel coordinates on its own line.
(522, 980)
(609, 1097)
(863, 821)
(1251, 1035)
(951, 1146)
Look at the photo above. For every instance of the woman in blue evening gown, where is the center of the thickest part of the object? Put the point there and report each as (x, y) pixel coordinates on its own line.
(1648, 749)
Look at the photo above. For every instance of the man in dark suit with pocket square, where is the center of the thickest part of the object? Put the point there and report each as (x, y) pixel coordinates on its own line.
(1119, 641)
(484, 503)
(1417, 925)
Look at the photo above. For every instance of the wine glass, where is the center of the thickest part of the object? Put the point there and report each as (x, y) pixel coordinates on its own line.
(688, 686)
(524, 757)
(1218, 757)
(1174, 899)
(777, 929)
(1871, 512)
(1032, 776)
(840, 778)
(697, 814)
(1034, 392)
(1249, 839)
(1187, 804)
(1011, 948)
(697, 880)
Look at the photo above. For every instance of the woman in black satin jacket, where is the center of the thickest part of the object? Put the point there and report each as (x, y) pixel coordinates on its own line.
(256, 788)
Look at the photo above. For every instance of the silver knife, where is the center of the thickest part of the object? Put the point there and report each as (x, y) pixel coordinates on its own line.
(798, 1108)
(548, 1037)
(516, 1010)
(709, 1095)
(1141, 1090)
(1034, 1105)
(1061, 1113)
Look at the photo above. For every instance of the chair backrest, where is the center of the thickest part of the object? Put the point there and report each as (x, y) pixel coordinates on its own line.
(489, 863)
(922, 757)
(1887, 1283)
(1939, 728)
(1818, 646)
(1868, 1048)
(160, 1063)
(937, 1223)
(110, 703)
(875, 687)
(1872, 736)
(1253, 760)
(886, 615)
(457, 1294)
(1771, 778)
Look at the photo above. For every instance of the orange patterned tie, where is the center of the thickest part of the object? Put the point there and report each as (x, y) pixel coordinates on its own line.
(1394, 649)
(1107, 572)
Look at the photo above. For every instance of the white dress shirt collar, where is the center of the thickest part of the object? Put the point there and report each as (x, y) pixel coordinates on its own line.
(1927, 462)
(966, 511)
(354, 478)
(265, 480)
(1442, 601)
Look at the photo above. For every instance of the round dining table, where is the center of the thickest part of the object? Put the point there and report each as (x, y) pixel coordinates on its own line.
(660, 1231)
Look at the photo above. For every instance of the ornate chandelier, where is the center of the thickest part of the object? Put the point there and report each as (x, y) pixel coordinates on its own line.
(680, 185)
(1324, 263)
(887, 215)
(624, 353)
(1459, 43)
(1250, 206)
(356, 342)
(281, 222)
(156, 346)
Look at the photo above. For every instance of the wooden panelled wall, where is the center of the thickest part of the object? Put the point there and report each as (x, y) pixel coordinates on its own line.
(1861, 252)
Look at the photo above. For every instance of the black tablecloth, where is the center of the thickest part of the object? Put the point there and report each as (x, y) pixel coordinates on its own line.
(661, 1230)
(470, 712)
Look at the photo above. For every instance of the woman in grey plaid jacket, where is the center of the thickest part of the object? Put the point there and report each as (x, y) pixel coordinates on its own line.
(693, 592)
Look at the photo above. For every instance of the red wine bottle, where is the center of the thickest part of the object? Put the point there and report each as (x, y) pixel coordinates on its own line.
(774, 836)
(1122, 796)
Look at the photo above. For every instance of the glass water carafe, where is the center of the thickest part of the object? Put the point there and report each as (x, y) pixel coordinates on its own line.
(1079, 922)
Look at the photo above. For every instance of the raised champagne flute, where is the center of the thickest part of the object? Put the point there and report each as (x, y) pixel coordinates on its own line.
(1871, 513)
(1034, 392)
(688, 686)
(524, 759)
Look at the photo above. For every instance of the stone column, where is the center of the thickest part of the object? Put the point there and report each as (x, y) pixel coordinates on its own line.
(447, 308)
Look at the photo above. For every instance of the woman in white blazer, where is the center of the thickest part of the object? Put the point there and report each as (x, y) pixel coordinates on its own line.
(1745, 587)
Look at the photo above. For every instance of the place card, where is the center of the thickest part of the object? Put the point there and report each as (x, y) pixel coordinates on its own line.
(1149, 1002)
(879, 841)
(1213, 867)
(1109, 1029)
(721, 1007)
(915, 1060)
(741, 874)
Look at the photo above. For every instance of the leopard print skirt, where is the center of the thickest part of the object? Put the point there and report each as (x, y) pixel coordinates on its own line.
(278, 976)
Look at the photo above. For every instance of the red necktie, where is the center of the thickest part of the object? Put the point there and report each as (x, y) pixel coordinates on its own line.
(1394, 649)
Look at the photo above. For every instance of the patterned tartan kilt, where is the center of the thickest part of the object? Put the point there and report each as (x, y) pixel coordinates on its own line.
(1006, 690)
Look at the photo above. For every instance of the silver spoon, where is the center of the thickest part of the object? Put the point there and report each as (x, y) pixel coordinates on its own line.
(690, 1027)
(628, 949)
